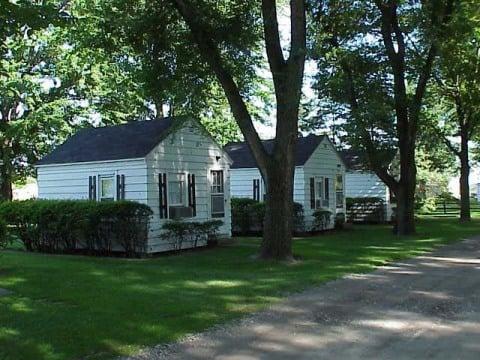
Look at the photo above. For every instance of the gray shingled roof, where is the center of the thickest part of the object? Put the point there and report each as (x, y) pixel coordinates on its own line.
(242, 156)
(354, 160)
(128, 141)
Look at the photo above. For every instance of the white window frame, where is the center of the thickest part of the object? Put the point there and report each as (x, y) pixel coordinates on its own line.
(170, 179)
(325, 190)
(214, 193)
(342, 191)
(102, 177)
(319, 193)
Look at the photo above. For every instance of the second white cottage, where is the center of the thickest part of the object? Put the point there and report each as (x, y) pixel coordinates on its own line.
(319, 176)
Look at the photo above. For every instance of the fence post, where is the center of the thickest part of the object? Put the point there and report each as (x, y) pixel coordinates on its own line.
(445, 207)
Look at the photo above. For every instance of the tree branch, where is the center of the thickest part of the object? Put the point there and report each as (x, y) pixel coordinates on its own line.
(298, 30)
(449, 145)
(272, 37)
(210, 52)
(368, 142)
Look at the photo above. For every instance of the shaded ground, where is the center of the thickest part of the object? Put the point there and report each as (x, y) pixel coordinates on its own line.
(75, 307)
(424, 308)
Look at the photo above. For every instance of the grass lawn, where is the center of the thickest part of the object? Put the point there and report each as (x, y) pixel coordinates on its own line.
(67, 307)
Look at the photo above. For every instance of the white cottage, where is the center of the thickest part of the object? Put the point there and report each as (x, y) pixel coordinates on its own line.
(363, 183)
(172, 165)
(319, 176)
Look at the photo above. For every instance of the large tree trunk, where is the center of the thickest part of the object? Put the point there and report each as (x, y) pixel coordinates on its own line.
(406, 190)
(277, 167)
(464, 181)
(278, 222)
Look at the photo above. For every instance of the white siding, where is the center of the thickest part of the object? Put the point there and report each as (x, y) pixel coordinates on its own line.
(188, 150)
(367, 184)
(324, 162)
(242, 183)
(70, 181)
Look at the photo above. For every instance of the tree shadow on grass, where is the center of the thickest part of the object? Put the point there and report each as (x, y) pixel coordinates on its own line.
(67, 307)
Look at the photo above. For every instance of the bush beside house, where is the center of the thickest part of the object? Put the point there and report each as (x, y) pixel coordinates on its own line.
(66, 226)
(194, 232)
(366, 210)
(248, 215)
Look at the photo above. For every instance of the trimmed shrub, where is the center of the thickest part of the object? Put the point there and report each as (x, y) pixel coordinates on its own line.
(57, 226)
(340, 220)
(178, 232)
(366, 209)
(248, 216)
(321, 219)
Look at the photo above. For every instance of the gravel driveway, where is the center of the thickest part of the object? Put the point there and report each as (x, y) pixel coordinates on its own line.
(424, 308)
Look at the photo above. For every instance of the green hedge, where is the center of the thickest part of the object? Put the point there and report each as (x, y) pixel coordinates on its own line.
(248, 215)
(56, 226)
(366, 209)
(180, 232)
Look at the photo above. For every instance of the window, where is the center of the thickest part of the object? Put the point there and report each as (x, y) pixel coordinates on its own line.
(326, 198)
(319, 192)
(107, 188)
(322, 192)
(339, 191)
(176, 189)
(217, 193)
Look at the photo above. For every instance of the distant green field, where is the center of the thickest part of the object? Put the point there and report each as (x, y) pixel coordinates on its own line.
(74, 307)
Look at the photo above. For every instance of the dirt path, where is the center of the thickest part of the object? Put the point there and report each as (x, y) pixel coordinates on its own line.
(423, 308)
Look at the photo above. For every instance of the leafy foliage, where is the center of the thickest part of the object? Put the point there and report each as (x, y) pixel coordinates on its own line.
(322, 218)
(366, 209)
(150, 41)
(56, 226)
(51, 84)
(248, 215)
(178, 232)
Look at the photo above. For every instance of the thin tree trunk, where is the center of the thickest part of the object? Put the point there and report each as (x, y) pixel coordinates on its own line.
(6, 189)
(464, 181)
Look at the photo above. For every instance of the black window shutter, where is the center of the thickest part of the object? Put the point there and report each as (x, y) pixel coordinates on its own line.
(256, 189)
(312, 193)
(162, 191)
(327, 188)
(192, 200)
(122, 192)
(94, 188)
(119, 187)
(90, 187)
